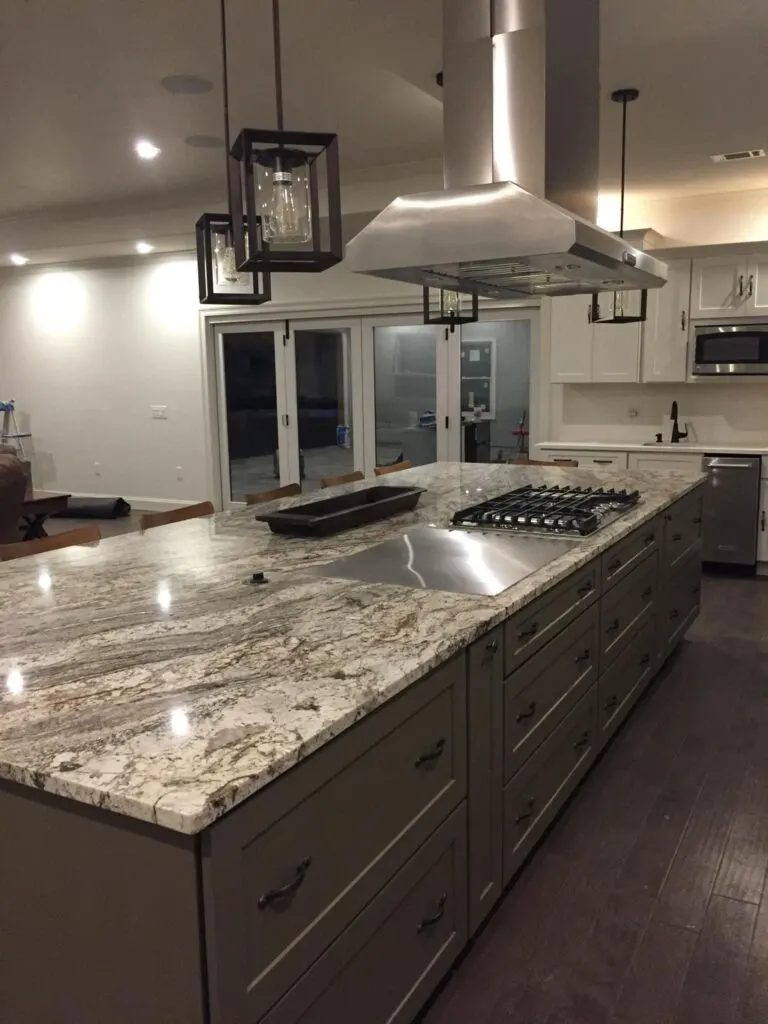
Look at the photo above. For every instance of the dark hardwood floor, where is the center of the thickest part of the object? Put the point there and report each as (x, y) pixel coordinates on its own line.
(646, 902)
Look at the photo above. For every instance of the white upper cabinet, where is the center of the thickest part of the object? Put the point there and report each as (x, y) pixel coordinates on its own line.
(571, 340)
(665, 332)
(587, 353)
(757, 286)
(719, 287)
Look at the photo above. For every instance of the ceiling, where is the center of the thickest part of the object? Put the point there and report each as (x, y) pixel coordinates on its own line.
(81, 82)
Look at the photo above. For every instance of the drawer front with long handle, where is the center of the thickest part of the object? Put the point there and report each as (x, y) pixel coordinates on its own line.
(533, 797)
(541, 693)
(621, 559)
(383, 967)
(625, 680)
(530, 629)
(284, 882)
(680, 607)
(626, 609)
(682, 530)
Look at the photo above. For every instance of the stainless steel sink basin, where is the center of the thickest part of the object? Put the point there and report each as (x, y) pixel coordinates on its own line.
(461, 561)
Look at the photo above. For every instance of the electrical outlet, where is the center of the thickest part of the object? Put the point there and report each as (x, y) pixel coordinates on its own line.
(179, 473)
(97, 469)
(632, 413)
(159, 412)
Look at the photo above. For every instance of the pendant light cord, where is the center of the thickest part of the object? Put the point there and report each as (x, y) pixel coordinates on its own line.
(278, 63)
(225, 94)
(623, 162)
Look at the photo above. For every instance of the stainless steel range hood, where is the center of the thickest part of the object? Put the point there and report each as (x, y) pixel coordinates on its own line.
(521, 120)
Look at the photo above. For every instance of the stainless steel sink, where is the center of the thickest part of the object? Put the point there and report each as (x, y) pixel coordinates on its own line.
(461, 561)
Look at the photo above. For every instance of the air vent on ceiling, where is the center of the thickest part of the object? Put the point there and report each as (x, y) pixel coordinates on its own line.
(741, 154)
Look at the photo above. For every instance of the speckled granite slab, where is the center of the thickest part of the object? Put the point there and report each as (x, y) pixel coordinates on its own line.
(150, 677)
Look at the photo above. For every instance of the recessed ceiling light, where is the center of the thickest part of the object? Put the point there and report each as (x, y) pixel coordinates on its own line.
(146, 150)
(189, 84)
(144, 248)
(18, 259)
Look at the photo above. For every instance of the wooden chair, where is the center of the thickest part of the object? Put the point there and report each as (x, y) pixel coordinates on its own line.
(277, 492)
(394, 468)
(560, 464)
(82, 535)
(345, 478)
(177, 515)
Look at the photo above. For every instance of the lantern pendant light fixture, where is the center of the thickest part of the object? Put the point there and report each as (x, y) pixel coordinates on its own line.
(453, 308)
(219, 279)
(618, 312)
(281, 221)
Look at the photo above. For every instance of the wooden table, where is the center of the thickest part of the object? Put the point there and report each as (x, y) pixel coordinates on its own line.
(38, 505)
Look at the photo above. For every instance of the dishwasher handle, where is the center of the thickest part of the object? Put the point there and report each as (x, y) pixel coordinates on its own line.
(719, 462)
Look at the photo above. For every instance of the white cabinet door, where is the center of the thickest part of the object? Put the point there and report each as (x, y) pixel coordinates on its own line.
(762, 529)
(757, 286)
(719, 288)
(615, 353)
(665, 332)
(571, 340)
(661, 463)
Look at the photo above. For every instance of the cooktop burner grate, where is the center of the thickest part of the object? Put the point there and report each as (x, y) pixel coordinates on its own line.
(570, 510)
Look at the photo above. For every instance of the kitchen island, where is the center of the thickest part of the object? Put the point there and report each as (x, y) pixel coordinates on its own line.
(295, 800)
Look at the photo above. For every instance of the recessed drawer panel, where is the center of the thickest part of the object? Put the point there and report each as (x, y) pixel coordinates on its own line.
(528, 630)
(533, 797)
(682, 600)
(289, 869)
(682, 530)
(384, 966)
(625, 680)
(622, 558)
(540, 693)
(626, 609)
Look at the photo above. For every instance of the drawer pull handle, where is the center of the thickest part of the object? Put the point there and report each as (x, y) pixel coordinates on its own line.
(526, 634)
(492, 646)
(645, 660)
(527, 714)
(696, 520)
(611, 702)
(674, 614)
(649, 539)
(648, 592)
(585, 655)
(668, 516)
(585, 588)
(613, 627)
(275, 895)
(603, 462)
(429, 922)
(676, 537)
(527, 814)
(430, 755)
(614, 565)
(582, 741)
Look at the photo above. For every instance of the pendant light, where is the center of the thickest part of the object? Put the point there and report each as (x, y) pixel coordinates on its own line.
(618, 311)
(281, 221)
(219, 280)
(453, 308)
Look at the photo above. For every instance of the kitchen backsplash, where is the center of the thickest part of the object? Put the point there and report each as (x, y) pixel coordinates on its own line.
(719, 412)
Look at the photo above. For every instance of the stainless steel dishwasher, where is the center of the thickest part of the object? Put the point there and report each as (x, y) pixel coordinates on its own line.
(731, 509)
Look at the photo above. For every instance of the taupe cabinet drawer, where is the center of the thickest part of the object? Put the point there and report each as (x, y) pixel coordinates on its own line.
(544, 690)
(536, 793)
(625, 680)
(528, 630)
(287, 871)
(682, 530)
(383, 967)
(626, 609)
(622, 558)
(682, 601)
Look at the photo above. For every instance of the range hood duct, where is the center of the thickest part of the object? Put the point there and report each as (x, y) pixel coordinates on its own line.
(521, 120)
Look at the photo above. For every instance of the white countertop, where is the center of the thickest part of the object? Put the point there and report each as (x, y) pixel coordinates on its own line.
(678, 449)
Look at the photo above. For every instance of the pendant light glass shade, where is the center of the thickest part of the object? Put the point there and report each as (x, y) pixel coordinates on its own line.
(287, 182)
(452, 307)
(219, 280)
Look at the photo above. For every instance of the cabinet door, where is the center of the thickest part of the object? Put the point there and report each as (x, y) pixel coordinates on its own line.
(665, 332)
(762, 535)
(571, 340)
(664, 463)
(719, 288)
(616, 353)
(757, 286)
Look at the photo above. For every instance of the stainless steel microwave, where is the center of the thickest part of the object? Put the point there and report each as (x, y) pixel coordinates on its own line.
(735, 349)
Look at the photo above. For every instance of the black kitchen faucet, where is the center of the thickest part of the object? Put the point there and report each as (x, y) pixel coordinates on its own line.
(677, 433)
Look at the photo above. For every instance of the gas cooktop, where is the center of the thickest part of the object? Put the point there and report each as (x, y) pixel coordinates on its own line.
(566, 510)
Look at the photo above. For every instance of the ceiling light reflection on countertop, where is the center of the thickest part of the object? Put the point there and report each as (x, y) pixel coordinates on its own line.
(179, 722)
(144, 247)
(14, 682)
(164, 597)
(146, 150)
(44, 581)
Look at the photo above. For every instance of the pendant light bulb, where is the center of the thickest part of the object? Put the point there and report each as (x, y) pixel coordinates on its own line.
(450, 302)
(286, 210)
(224, 254)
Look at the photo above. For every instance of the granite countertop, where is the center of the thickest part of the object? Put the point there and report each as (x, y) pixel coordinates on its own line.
(150, 677)
(682, 448)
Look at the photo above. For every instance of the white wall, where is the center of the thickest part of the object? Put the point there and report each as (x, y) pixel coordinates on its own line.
(85, 352)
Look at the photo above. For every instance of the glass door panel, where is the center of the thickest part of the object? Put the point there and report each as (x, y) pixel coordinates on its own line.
(324, 413)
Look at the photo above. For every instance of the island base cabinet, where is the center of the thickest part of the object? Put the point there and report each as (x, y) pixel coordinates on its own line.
(534, 796)
(386, 964)
(621, 686)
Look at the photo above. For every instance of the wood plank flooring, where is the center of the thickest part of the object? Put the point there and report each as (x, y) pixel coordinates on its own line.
(647, 903)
